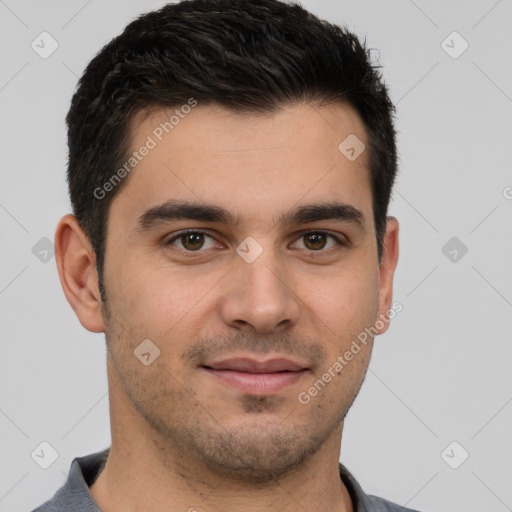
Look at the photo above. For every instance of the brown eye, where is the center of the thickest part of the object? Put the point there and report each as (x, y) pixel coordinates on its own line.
(315, 241)
(318, 241)
(192, 241)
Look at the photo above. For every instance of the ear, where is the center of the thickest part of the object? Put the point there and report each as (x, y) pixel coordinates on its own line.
(387, 272)
(76, 263)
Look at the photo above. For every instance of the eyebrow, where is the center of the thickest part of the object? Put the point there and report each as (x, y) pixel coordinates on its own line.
(178, 210)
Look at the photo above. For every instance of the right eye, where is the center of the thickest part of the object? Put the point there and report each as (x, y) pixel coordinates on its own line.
(190, 241)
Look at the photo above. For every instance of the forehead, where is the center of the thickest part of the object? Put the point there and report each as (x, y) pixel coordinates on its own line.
(255, 165)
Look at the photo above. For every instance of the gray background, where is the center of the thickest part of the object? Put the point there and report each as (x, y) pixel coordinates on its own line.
(440, 374)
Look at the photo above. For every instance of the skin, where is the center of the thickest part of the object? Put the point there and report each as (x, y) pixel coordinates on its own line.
(181, 438)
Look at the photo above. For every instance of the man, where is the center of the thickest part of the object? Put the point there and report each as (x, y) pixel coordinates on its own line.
(230, 169)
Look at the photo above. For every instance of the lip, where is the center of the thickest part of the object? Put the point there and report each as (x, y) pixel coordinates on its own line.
(257, 377)
(250, 365)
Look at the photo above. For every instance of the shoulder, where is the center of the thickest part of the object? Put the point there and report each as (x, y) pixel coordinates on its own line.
(48, 507)
(363, 502)
(74, 494)
(382, 505)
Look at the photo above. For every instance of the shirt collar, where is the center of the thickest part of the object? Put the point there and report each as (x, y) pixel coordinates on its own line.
(84, 471)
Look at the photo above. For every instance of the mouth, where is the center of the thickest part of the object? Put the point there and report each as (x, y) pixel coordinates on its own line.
(257, 377)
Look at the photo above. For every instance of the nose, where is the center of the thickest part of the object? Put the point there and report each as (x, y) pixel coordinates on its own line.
(260, 296)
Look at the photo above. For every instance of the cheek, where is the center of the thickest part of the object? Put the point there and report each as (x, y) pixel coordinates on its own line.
(346, 302)
(161, 302)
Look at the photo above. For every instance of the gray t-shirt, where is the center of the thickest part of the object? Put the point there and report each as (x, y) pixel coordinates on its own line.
(74, 495)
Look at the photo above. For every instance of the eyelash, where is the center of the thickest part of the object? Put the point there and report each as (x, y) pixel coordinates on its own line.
(169, 242)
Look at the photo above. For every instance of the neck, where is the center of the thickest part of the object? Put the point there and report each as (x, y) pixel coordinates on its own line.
(145, 472)
(136, 481)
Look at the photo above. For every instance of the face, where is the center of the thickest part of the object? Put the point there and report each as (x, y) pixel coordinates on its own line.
(243, 247)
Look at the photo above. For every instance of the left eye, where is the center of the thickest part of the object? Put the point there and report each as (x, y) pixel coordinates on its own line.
(318, 240)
